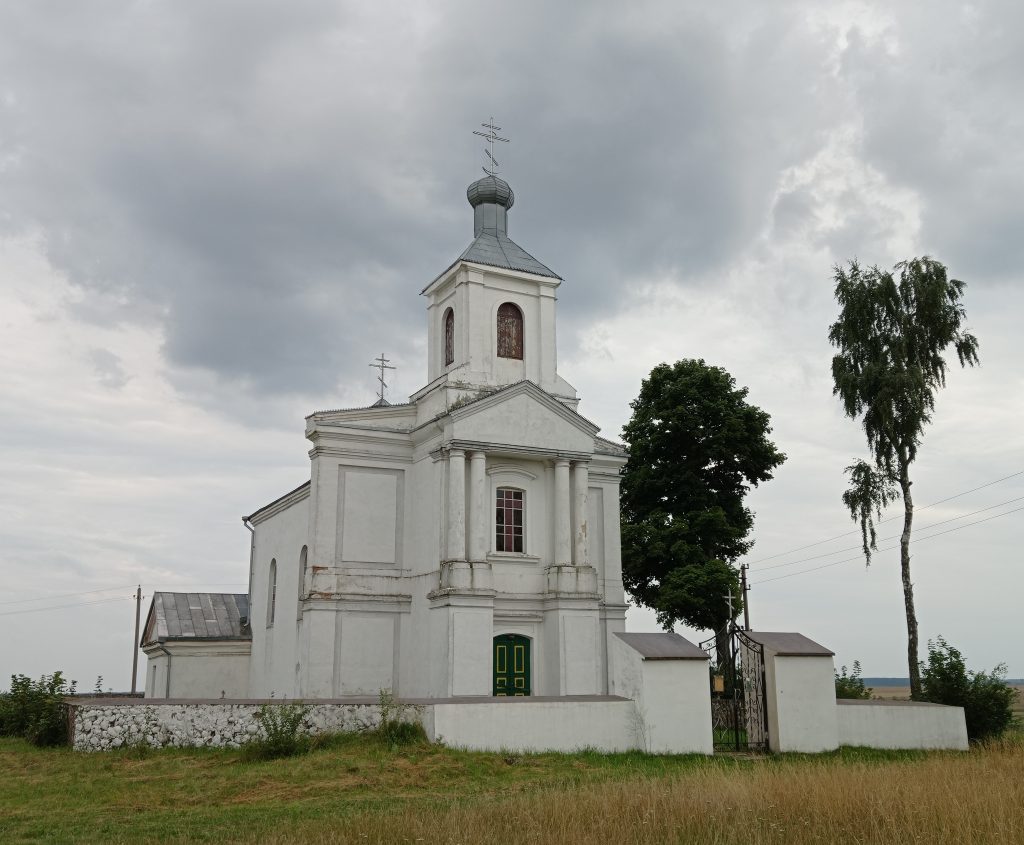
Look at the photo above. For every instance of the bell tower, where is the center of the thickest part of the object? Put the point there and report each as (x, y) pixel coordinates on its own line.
(491, 314)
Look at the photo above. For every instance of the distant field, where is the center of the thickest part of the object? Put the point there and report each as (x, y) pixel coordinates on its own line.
(363, 791)
(903, 692)
(904, 682)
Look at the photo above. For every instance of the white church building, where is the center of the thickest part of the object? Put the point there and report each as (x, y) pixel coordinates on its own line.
(461, 551)
(465, 543)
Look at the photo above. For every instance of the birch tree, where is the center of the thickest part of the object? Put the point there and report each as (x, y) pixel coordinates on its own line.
(892, 336)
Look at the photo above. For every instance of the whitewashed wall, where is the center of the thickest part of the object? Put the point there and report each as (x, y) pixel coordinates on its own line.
(197, 670)
(801, 696)
(535, 725)
(493, 725)
(672, 702)
(275, 647)
(904, 724)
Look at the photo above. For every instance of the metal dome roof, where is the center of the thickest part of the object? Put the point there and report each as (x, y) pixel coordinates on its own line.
(490, 189)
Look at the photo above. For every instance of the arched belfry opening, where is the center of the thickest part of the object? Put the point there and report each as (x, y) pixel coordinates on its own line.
(510, 331)
(449, 337)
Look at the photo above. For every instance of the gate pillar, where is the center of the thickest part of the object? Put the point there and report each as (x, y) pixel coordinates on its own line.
(800, 692)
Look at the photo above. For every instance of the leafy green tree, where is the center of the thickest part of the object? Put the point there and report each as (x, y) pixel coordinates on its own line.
(985, 696)
(892, 335)
(849, 683)
(695, 448)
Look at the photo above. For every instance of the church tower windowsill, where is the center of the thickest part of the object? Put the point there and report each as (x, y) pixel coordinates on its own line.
(512, 557)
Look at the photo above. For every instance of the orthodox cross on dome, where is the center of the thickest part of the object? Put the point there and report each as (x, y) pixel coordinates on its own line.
(490, 136)
(381, 364)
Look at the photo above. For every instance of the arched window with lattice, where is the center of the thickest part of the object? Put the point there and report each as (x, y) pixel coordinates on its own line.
(449, 337)
(302, 576)
(510, 331)
(272, 592)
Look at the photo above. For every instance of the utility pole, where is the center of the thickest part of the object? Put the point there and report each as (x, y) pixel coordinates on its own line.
(135, 641)
(746, 596)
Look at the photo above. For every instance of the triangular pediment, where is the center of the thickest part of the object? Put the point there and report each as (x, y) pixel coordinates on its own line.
(525, 417)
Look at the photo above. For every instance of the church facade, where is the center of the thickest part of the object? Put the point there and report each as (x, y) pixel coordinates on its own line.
(465, 543)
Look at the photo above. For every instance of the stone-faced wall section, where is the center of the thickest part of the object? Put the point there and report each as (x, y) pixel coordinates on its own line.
(104, 725)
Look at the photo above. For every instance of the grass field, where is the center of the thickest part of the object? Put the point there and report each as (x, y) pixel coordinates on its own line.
(362, 791)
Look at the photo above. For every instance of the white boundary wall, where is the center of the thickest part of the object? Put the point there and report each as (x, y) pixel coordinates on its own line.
(604, 723)
(904, 724)
(536, 725)
(672, 702)
(801, 697)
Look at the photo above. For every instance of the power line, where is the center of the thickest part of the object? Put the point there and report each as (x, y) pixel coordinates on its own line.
(888, 549)
(68, 595)
(887, 519)
(63, 606)
(893, 537)
(105, 590)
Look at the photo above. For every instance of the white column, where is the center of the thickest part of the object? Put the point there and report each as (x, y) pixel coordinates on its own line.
(456, 505)
(479, 512)
(580, 510)
(563, 532)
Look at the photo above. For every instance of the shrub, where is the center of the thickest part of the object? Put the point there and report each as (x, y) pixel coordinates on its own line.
(399, 723)
(985, 696)
(850, 685)
(281, 733)
(36, 710)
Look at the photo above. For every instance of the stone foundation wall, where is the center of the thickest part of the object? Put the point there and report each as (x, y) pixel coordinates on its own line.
(101, 726)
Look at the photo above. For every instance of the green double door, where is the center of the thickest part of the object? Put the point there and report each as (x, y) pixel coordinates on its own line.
(511, 665)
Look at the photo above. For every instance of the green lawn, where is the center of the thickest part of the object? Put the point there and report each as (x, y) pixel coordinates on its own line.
(208, 795)
(361, 784)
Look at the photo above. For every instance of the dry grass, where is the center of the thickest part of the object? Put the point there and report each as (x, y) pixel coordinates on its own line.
(361, 791)
(941, 798)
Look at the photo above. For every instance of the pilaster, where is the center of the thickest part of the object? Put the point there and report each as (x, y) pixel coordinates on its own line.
(563, 534)
(580, 511)
(456, 533)
(480, 514)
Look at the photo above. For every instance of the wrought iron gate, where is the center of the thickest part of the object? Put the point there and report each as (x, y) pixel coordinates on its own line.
(739, 709)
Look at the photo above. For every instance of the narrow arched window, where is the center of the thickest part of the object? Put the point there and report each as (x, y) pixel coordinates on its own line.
(449, 337)
(508, 520)
(272, 593)
(510, 331)
(302, 577)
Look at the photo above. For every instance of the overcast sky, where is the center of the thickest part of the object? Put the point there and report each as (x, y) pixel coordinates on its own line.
(213, 215)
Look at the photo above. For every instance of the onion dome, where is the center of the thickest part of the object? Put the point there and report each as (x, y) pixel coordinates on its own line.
(490, 189)
(491, 199)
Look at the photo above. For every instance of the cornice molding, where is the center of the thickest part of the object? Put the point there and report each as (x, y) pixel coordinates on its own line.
(511, 469)
(336, 430)
(359, 454)
(282, 504)
(532, 452)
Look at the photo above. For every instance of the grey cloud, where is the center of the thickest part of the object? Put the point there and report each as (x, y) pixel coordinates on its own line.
(108, 369)
(943, 116)
(266, 188)
(270, 190)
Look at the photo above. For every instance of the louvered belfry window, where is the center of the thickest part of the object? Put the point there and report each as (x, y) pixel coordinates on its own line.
(508, 523)
(510, 331)
(449, 337)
